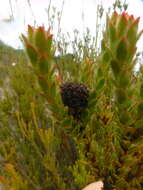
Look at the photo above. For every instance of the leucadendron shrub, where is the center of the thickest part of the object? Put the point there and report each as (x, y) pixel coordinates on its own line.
(68, 129)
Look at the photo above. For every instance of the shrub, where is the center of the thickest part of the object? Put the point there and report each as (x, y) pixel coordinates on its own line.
(44, 146)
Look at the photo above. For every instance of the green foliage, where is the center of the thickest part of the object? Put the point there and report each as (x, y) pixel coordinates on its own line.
(42, 146)
(8, 57)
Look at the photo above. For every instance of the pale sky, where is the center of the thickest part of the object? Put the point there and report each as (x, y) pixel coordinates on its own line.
(70, 20)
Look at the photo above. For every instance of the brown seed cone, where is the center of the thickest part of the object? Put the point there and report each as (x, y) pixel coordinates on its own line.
(75, 96)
